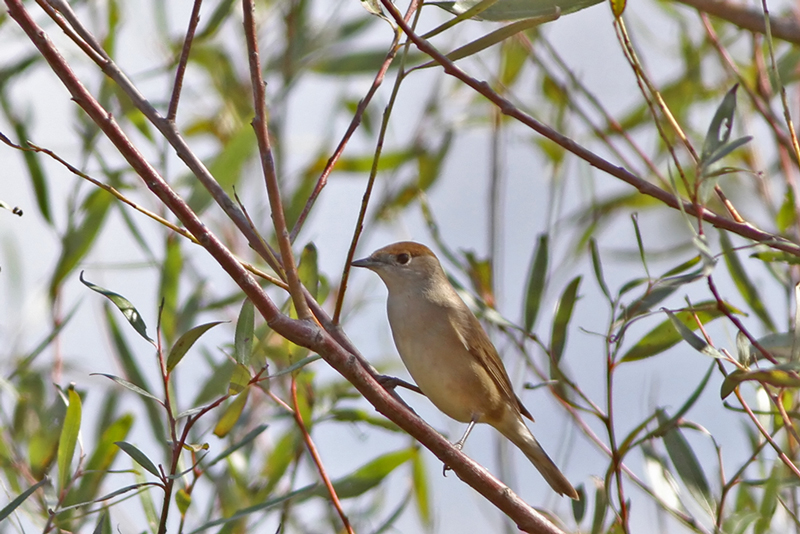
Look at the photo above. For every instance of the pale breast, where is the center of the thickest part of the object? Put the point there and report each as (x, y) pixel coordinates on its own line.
(438, 360)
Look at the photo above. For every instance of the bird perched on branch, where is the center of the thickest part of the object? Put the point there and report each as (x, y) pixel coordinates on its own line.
(448, 354)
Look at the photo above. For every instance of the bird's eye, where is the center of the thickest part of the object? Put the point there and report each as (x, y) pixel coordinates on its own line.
(403, 258)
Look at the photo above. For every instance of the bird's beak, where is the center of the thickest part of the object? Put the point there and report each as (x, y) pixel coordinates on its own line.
(367, 263)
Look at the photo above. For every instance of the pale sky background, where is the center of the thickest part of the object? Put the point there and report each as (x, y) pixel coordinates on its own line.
(586, 39)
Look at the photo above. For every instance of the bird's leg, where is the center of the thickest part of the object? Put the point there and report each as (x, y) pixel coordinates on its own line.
(460, 443)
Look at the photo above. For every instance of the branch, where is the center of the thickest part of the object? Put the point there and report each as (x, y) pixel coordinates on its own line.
(268, 163)
(745, 230)
(785, 28)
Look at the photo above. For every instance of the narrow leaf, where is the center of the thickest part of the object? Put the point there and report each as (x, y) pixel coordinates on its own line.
(686, 465)
(243, 338)
(566, 304)
(743, 283)
(250, 436)
(597, 265)
(536, 282)
(124, 305)
(139, 457)
(230, 416)
(13, 505)
(131, 386)
(698, 343)
(185, 342)
(239, 379)
(719, 131)
(665, 335)
(69, 438)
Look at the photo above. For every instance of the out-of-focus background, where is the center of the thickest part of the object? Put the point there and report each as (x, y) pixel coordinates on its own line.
(513, 216)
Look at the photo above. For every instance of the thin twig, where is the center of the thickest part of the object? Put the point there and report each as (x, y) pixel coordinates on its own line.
(354, 123)
(312, 449)
(373, 173)
(268, 164)
(194, 19)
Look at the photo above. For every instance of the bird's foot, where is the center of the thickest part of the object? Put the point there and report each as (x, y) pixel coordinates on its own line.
(391, 382)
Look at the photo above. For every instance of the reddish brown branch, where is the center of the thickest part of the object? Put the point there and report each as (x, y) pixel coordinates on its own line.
(785, 28)
(268, 163)
(194, 19)
(507, 108)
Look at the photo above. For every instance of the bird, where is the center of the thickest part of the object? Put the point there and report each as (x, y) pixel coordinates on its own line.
(448, 353)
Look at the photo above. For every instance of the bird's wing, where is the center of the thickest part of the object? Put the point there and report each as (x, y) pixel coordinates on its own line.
(481, 348)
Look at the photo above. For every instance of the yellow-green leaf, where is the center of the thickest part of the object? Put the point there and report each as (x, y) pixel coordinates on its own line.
(69, 438)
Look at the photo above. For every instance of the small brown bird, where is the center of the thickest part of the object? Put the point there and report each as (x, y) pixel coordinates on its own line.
(449, 355)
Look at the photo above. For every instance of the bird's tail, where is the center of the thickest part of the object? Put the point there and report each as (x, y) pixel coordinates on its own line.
(521, 436)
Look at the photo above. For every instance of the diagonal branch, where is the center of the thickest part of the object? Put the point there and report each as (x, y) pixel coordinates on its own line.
(745, 230)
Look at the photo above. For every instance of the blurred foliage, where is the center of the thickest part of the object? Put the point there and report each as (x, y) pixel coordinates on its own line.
(201, 412)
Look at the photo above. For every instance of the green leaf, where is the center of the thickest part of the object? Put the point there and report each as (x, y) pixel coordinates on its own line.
(600, 507)
(661, 479)
(686, 465)
(103, 525)
(230, 416)
(787, 215)
(698, 343)
(185, 342)
(743, 283)
(78, 240)
(566, 304)
(497, 36)
(770, 499)
(239, 379)
(266, 505)
(665, 335)
(783, 375)
(579, 506)
(69, 438)
(139, 457)
(183, 500)
(515, 56)
(597, 265)
(360, 62)
(169, 285)
(536, 282)
(124, 305)
(131, 386)
(131, 366)
(419, 481)
(517, 9)
(14, 504)
(250, 436)
(358, 415)
(369, 475)
(284, 452)
(656, 293)
(243, 338)
(101, 459)
(776, 256)
(308, 270)
(719, 131)
(32, 159)
(227, 165)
